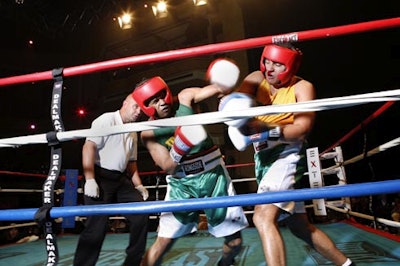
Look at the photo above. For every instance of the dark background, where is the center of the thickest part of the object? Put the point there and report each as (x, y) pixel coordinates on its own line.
(72, 33)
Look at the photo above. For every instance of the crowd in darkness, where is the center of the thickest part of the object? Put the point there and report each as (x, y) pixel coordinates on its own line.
(386, 206)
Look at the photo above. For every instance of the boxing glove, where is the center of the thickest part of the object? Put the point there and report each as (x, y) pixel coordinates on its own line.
(91, 188)
(241, 141)
(236, 101)
(223, 72)
(186, 137)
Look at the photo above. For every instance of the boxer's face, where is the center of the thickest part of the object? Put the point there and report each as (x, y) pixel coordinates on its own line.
(163, 109)
(272, 70)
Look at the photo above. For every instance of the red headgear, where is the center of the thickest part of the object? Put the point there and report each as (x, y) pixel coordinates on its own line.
(147, 90)
(286, 56)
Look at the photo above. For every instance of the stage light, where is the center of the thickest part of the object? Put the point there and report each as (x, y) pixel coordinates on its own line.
(125, 21)
(200, 2)
(160, 9)
(81, 111)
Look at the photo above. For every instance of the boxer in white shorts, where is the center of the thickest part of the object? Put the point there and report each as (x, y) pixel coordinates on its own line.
(279, 142)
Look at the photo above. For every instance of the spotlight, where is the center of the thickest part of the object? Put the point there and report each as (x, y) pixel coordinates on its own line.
(81, 111)
(160, 9)
(200, 2)
(125, 21)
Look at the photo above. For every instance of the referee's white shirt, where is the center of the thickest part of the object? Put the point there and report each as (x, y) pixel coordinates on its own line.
(114, 151)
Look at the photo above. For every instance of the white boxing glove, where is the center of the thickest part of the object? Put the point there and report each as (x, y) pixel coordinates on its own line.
(186, 138)
(224, 73)
(143, 191)
(241, 141)
(236, 101)
(91, 188)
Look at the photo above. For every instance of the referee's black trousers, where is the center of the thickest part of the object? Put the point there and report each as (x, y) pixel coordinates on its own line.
(115, 187)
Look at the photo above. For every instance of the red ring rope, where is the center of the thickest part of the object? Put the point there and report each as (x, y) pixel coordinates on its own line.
(207, 49)
(359, 126)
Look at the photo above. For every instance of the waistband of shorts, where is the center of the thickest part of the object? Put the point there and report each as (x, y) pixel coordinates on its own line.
(197, 165)
(263, 145)
(269, 145)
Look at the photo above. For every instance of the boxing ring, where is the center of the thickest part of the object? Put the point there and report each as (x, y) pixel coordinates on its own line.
(48, 213)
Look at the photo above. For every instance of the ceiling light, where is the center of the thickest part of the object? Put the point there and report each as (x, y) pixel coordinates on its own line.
(125, 21)
(200, 2)
(160, 9)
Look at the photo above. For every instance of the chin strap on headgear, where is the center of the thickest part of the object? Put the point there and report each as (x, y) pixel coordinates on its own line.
(286, 56)
(147, 90)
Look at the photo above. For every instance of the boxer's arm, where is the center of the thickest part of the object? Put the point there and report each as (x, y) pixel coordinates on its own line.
(251, 82)
(246, 135)
(222, 74)
(158, 152)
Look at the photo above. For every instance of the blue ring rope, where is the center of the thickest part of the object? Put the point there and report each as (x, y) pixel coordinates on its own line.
(251, 199)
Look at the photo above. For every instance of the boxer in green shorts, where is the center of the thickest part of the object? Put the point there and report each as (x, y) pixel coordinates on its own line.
(193, 163)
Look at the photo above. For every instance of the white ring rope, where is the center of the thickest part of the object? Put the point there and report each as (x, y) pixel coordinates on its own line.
(17, 225)
(393, 143)
(217, 117)
(211, 117)
(390, 144)
(365, 216)
(21, 190)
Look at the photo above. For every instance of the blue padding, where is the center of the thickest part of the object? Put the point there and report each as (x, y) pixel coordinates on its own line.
(337, 191)
(70, 195)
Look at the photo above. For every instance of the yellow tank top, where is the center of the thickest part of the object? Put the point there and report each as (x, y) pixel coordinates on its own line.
(283, 95)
